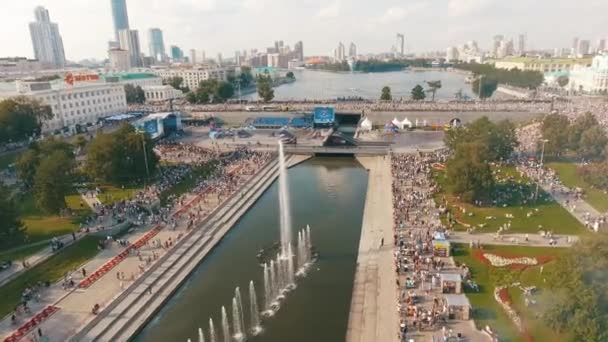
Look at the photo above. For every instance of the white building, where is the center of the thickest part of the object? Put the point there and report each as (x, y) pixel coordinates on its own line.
(120, 60)
(274, 60)
(79, 99)
(593, 79)
(452, 54)
(192, 76)
(46, 40)
(161, 93)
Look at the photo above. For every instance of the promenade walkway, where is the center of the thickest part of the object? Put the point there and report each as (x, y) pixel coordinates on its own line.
(373, 315)
(534, 240)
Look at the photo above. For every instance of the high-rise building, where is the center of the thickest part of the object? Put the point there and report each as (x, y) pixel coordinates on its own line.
(176, 53)
(583, 47)
(521, 45)
(237, 57)
(496, 41)
(120, 16)
(219, 59)
(193, 59)
(352, 50)
(120, 60)
(46, 40)
(278, 44)
(339, 53)
(451, 54)
(400, 44)
(156, 44)
(129, 40)
(574, 50)
(601, 46)
(299, 51)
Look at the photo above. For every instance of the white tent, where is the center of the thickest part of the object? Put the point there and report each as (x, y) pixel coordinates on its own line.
(407, 123)
(397, 123)
(366, 125)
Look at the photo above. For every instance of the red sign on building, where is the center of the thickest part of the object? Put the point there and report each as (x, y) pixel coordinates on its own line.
(71, 78)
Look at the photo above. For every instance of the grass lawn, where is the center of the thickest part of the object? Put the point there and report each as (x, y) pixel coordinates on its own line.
(40, 226)
(51, 270)
(17, 255)
(545, 213)
(487, 311)
(111, 194)
(568, 175)
(8, 158)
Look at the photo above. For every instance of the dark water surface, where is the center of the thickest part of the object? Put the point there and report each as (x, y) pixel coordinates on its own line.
(326, 193)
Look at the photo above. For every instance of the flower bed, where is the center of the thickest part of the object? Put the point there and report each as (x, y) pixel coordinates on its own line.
(438, 166)
(501, 295)
(514, 262)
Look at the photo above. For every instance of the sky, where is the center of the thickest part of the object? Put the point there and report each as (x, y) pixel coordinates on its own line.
(229, 25)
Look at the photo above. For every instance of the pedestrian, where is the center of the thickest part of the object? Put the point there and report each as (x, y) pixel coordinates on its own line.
(150, 289)
(39, 332)
(84, 272)
(382, 242)
(73, 236)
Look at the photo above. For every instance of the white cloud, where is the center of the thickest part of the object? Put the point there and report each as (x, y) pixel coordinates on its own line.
(394, 14)
(331, 11)
(464, 7)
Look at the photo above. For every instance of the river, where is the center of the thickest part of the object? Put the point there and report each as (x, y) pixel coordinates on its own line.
(326, 193)
(322, 85)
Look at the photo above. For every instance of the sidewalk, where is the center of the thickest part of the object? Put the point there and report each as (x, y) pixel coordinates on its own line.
(373, 315)
(534, 240)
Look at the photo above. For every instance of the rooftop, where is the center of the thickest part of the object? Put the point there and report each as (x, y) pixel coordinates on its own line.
(132, 75)
(457, 300)
(535, 60)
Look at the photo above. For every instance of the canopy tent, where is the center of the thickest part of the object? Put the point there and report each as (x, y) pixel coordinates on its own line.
(397, 123)
(366, 124)
(406, 122)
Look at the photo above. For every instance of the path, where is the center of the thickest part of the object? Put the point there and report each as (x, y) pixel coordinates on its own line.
(373, 315)
(534, 240)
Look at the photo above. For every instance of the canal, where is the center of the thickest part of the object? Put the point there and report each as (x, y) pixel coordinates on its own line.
(326, 193)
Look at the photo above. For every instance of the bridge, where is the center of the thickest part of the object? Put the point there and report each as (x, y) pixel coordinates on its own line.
(372, 150)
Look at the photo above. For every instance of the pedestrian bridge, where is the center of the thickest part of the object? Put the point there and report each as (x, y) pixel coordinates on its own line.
(346, 150)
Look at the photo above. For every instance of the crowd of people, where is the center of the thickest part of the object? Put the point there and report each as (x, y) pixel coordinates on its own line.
(418, 262)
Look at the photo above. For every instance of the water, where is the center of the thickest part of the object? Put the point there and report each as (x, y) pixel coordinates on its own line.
(211, 331)
(329, 85)
(201, 336)
(318, 309)
(284, 204)
(225, 326)
(254, 311)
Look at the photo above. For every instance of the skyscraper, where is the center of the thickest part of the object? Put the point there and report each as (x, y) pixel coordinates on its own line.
(156, 44)
(339, 53)
(352, 50)
(400, 44)
(193, 59)
(120, 16)
(496, 42)
(583, 47)
(46, 40)
(521, 45)
(176, 53)
(129, 40)
(299, 51)
(574, 50)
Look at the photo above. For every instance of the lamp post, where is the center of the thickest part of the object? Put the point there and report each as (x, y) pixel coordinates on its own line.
(540, 167)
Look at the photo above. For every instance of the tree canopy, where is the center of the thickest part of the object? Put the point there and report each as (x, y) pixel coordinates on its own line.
(265, 90)
(211, 90)
(433, 87)
(577, 302)
(11, 227)
(514, 77)
(418, 93)
(488, 87)
(53, 181)
(468, 172)
(498, 140)
(21, 118)
(27, 164)
(386, 94)
(134, 94)
(584, 136)
(119, 157)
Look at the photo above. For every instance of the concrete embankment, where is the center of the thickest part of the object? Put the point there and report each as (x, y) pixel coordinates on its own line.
(373, 316)
(130, 311)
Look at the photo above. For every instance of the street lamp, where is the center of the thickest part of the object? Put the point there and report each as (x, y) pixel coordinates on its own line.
(540, 167)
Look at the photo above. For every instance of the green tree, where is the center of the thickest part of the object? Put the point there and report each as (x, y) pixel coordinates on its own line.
(53, 181)
(265, 90)
(11, 227)
(578, 127)
(433, 87)
(386, 94)
(175, 82)
(577, 301)
(563, 81)
(418, 93)
(468, 173)
(223, 92)
(290, 75)
(595, 174)
(593, 143)
(191, 97)
(119, 157)
(497, 140)
(555, 129)
(26, 166)
(246, 78)
(488, 87)
(20, 118)
(134, 94)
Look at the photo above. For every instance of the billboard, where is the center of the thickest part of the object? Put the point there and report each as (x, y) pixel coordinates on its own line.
(151, 127)
(324, 116)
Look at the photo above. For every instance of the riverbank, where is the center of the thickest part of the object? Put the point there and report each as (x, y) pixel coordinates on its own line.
(372, 313)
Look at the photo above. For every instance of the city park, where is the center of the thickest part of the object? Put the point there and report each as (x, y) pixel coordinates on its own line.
(528, 225)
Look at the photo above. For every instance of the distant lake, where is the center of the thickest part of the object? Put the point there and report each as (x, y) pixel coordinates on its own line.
(330, 85)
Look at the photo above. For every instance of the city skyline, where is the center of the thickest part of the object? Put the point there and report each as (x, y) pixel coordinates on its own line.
(193, 24)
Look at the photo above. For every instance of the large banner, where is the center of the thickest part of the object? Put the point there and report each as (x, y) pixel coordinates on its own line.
(324, 115)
